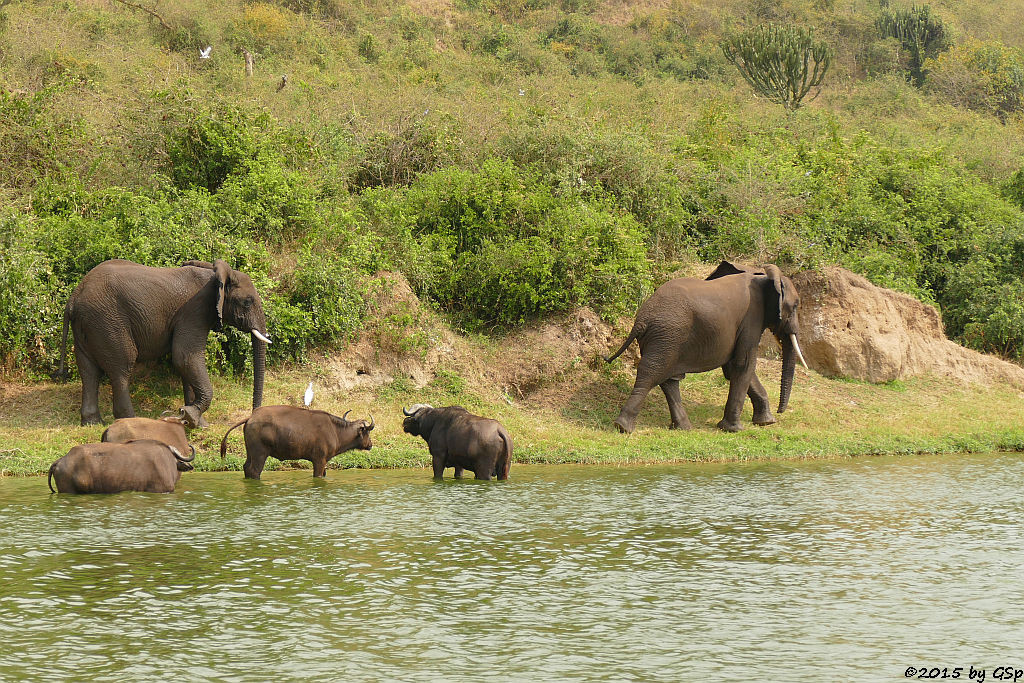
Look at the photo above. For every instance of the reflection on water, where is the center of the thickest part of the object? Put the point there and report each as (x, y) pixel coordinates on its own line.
(794, 571)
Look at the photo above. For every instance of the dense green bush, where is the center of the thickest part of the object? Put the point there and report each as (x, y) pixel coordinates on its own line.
(213, 144)
(500, 246)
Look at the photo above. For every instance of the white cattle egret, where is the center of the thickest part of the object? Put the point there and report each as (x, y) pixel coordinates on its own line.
(307, 398)
(205, 54)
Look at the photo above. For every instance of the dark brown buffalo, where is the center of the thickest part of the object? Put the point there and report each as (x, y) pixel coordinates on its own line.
(459, 439)
(289, 433)
(170, 430)
(142, 465)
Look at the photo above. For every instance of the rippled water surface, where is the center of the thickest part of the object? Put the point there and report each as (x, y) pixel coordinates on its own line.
(794, 571)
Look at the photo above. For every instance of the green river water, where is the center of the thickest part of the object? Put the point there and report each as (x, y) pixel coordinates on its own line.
(848, 570)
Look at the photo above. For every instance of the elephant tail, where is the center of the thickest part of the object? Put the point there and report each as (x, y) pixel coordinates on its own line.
(224, 441)
(62, 370)
(506, 460)
(633, 334)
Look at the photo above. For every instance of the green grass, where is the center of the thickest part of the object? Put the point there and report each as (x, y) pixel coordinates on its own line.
(827, 418)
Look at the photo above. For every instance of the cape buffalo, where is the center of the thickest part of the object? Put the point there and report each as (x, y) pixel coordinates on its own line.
(459, 439)
(170, 430)
(141, 465)
(290, 433)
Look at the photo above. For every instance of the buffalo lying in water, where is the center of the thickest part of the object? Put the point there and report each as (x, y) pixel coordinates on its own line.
(459, 439)
(170, 430)
(141, 465)
(289, 433)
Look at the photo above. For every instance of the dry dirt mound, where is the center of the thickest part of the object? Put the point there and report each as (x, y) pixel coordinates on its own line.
(851, 328)
(404, 339)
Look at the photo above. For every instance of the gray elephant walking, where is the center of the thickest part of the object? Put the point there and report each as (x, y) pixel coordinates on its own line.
(691, 325)
(123, 312)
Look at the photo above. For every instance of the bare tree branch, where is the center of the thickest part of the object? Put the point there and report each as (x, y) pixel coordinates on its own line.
(141, 7)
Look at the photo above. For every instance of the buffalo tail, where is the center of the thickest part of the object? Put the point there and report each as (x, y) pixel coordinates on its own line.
(224, 441)
(49, 478)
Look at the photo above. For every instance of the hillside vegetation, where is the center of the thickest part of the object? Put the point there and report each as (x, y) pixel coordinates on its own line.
(511, 158)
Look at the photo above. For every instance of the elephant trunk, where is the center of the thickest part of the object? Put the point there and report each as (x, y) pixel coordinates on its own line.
(259, 366)
(259, 357)
(789, 352)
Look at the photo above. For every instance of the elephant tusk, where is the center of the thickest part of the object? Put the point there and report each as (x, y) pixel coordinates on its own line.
(262, 338)
(796, 346)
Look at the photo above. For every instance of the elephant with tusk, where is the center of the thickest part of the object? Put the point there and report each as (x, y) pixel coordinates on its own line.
(123, 312)
(691, 325)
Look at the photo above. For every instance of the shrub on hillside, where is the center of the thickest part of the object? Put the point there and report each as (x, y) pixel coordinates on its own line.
(211, 146)
(987, 77)
(395, 158)
(499, 246)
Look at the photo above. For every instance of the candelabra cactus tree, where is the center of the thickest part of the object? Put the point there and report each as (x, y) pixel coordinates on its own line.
(920, 32)
(781, 63)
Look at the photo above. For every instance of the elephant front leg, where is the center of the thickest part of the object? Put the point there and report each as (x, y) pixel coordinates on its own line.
(759, 399)
(195, 380)
(675, 405)
(458, 472)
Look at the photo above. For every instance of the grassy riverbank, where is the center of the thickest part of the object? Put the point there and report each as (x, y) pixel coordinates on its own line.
(569, 421)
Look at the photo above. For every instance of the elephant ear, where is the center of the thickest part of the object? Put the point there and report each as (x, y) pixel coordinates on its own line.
(724, 268)
(786, 303)
(198, 264)
(221, 271)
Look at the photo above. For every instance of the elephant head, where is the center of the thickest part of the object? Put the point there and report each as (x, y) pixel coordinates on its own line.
(238, 304)
(781, 303)
(781, 316)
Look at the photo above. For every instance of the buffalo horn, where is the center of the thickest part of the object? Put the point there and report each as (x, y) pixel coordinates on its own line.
(178, 456)
(372, 423)
(345, 416)
(405, 411)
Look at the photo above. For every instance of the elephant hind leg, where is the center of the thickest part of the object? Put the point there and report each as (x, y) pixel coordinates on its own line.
(646, 379)
(90, 374)
(675, 404)
(120, 385)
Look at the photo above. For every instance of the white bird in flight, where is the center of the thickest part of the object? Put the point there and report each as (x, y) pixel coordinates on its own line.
(307, 398)
(205, 54)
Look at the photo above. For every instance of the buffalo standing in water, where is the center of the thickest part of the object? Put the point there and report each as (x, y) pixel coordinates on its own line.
(170, 430)
(289, 433)
(459, 439)
(141, 465)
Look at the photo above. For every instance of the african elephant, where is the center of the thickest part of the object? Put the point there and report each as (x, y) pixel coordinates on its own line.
(290, 433)
(691, 325)
(460, 439)
(142, 465)
(122, 312)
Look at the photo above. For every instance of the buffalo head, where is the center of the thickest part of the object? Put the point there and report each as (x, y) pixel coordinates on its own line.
(411, 424)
